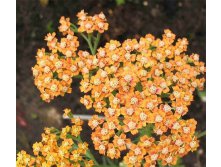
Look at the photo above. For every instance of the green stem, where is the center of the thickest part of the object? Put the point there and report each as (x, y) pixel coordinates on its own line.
(88, 153)
(90, 44)
(75, 29)
(96, 42)
(201, 134)
(104, 161)
(90, 156)
(119, 132)
(87, 39)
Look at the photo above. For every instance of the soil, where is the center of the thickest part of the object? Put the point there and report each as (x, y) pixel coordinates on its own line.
(132, 19)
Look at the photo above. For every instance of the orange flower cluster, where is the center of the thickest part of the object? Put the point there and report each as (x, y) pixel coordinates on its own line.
(150, 81)
(90, 24)
(54, 70)
(58, 148)
(136, 85)
(167, 150)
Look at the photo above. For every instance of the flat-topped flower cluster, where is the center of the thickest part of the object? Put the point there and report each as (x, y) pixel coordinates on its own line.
(55, 69)
(143, 84)
(61, 148)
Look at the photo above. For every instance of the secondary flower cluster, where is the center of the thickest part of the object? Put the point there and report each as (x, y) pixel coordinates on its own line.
(58, 148)
(90, 24)
(167, 149)
(54, 70)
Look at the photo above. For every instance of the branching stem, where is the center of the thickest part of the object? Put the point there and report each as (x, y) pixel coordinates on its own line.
(92, 45)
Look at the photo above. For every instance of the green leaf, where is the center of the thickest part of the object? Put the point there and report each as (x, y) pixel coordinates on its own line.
(49, 27)
(152, 47)
(93, 72)
(104, 160)
(139, 87)
(107, 101)
(44, 3)
(34, 116)
(55, 75)
(147, 130)
(122, 164)
(79, 76)
(69, 136)
(120, 2)
(202, 95)
(110, 162)
(149, 79)
(179, 163)
(159, 163)
(165, 95)
(54, 130)
(114, 92)
(200, 134)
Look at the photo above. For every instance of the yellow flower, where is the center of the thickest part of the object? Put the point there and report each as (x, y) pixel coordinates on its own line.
(76, 130)
(66, 112)
(37, 148)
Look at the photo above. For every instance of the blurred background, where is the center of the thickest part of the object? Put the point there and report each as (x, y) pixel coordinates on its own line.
(127, 19)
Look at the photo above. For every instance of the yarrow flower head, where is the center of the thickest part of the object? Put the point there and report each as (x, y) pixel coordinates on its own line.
(58, 148)
(90, 24)
(138, 85)
(141, 83)
(55, 69)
